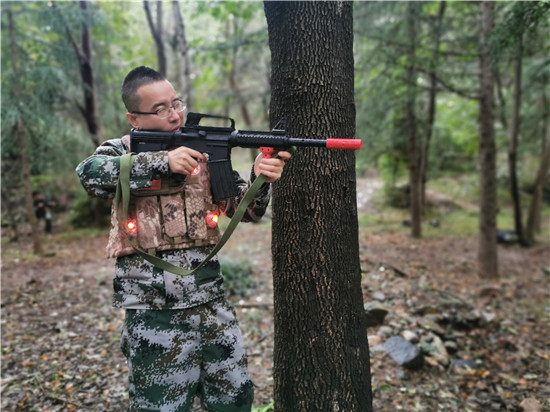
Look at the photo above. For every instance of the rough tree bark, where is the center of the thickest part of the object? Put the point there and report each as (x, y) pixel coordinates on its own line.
(321, 355)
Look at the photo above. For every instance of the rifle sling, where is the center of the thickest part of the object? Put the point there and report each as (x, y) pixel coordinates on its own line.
(123, 194)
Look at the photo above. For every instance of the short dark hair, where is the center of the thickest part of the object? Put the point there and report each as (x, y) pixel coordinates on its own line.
(136, 78)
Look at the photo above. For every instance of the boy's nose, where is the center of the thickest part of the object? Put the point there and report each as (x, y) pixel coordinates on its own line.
(174, 115)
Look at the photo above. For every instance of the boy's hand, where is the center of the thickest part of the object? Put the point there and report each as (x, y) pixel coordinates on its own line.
(183, 160)
(272, 168)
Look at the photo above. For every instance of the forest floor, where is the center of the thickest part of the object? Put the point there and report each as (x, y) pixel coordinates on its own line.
(60, 335)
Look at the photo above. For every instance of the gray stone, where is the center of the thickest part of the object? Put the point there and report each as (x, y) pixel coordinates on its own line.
(404, 353)
(376, 312)
(384, 332)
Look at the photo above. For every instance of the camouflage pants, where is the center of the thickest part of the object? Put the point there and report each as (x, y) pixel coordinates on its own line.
(175, 355)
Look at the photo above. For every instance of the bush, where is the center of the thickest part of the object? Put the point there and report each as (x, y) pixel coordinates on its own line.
(238, 278)
(90, 212)
(397, 196)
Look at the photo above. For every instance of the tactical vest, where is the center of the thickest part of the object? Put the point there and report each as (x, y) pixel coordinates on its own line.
(169, 215)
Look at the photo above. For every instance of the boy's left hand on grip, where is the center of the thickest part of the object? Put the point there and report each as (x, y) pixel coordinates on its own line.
(271, 163)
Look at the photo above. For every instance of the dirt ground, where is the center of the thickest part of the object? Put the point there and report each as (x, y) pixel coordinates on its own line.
(60, 336)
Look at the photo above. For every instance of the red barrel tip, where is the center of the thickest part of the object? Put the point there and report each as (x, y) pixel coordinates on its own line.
(348, 144)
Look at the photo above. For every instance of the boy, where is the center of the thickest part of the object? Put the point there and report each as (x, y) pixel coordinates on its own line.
(180, 336)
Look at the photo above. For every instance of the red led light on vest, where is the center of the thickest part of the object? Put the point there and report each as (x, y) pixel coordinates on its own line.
(131, 225)
(196, 170)
(212, 219)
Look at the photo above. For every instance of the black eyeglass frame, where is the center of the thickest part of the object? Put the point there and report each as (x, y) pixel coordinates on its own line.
(180, 102)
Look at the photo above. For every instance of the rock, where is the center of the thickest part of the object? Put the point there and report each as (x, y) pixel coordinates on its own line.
(472, 318)
(436, 351)
(461, 365)
(376, 312)
(492, 290)
(488, 317)
(404, 353)
(374, 341)
(530, 405)
(384, 332)
(434, 222)
(507, 343)
(410, 336)
(431, 361)
(441, 355)
(402, 374)
(379, 296)
(507, 237)
(432, 326)
(451, 346)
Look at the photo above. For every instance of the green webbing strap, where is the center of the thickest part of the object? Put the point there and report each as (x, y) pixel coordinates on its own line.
(123, 187)
(123, 191)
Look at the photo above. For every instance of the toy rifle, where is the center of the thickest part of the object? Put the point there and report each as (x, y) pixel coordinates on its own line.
(217, 142)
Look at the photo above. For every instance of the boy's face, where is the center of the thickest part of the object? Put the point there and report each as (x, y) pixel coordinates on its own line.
(155, 96)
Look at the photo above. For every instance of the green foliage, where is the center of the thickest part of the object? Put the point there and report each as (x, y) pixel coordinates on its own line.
(268, 408)
(391, 167)
(397, 196)
(519, 19)
(90, 212)
(457, 186)
(238, 278)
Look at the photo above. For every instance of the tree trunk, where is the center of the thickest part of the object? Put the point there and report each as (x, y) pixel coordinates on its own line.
(235, 89)
(84, 54)
(321, 355)
(432, 100)
(414, 152)
(487, 252)
(513, 146)
(536, 201)
(22, 139)
(184, 49)
(157, 33)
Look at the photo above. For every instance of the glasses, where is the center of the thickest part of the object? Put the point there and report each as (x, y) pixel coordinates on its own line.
(166, 111)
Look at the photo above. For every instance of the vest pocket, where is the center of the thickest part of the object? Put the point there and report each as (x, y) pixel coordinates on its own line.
(149, 234)
(196, 222)
(173, 216)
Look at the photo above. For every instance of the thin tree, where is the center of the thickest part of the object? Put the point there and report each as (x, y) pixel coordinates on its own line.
(487, 250)
(514, 139)
(321, 355)
(185, 73)
(415, 180)
(432, 99)
(515, 33)
(21, 136)
(157, 33)
(83, 50)
(535, 206)
(234, 83)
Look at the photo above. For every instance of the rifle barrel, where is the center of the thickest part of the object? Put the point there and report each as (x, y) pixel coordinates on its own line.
(257, 139)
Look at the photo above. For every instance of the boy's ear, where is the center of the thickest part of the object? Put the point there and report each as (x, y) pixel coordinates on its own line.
(133, 120)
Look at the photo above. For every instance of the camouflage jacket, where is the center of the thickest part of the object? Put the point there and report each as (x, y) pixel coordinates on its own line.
(137, 284)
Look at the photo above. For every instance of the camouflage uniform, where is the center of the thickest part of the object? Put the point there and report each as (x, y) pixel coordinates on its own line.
(180, 336)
